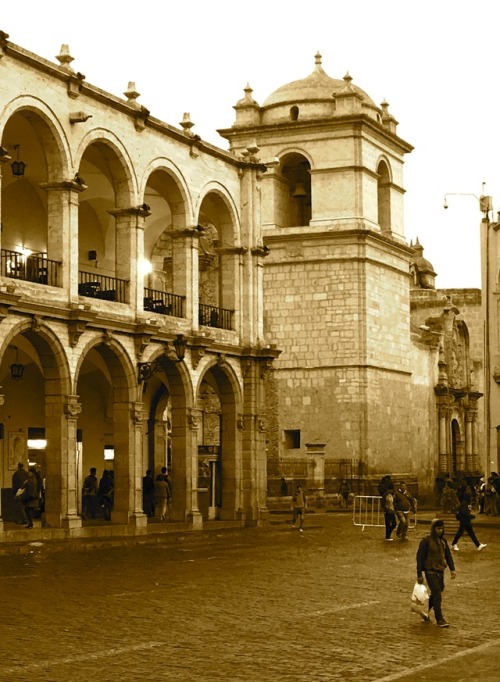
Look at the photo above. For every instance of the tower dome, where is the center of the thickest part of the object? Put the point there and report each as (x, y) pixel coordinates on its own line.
(318, 96)
(318, 85)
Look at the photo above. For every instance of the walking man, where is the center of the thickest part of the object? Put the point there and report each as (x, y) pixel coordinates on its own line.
(433, 556)
(465, 516)
(299, 504)
(387, 504)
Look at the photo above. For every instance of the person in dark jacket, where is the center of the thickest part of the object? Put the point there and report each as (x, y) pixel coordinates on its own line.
(31, 499)
(148, 494)
(90, 489)
(18, 478)
(433, 556)
(106, 493)
(387, 504)
(465, 516)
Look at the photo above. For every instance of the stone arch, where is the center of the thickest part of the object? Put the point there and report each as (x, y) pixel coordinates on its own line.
(460, 355)
(218, 400)
(457, 462)
(168, 199)
(110, 191)
(293, 205)
(38, 400)
(106, 384)
(32, 134)
(219, 230)
(168, 401)
(384, 182)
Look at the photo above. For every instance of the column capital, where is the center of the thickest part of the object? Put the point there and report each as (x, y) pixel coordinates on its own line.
(72, 407)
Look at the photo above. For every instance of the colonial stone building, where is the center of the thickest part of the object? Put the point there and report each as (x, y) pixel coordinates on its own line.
(355, 390)
(150, 282)
(131, 308)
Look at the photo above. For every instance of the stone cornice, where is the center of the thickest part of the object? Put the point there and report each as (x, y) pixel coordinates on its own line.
(356, 123)
(77, 87)
(335, 235)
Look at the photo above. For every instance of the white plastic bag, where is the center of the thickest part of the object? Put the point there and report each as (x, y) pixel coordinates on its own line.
(420, 600)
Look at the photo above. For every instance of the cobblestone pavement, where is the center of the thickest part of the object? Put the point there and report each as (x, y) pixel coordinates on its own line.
(251, 605)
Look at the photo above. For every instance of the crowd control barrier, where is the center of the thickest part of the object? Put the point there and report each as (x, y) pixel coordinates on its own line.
(367, 512)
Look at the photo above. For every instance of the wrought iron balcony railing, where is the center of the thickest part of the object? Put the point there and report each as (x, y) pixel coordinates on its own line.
(162, 302)
(212, 316)
(35, 268)
(106, 288)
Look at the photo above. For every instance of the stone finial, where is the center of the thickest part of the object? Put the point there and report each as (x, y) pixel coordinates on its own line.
(186, 123)
(64, 58)
(388, 119)
(248, 94)
(252, 147)
(317, 60)
(131, 93)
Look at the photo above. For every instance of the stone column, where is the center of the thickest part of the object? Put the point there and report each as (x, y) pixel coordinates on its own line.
(62, 230)
(469, 457)
(315, 454)
(185, 278)
(61, 475)
(2, 452)
(127, 424)
(193, 514)
(129, 250)
(443, 440)
(474, 449)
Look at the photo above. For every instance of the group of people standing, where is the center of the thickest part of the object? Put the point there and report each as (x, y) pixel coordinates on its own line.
(98, 494)
(157, 494)
(397, 503)
(489, 495)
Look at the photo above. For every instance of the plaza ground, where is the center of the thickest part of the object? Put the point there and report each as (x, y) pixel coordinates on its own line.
(252, 605)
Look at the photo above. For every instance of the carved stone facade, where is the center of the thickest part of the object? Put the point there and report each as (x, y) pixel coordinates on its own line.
(130, 292)
(338, 289)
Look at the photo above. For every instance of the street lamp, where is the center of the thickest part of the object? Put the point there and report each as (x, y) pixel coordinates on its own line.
(147, 369)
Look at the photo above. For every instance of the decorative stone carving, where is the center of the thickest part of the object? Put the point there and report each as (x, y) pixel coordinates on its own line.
(137, 412)
(75, 330)
(246, 365)
(197, 352)
(107, 338)
(72, 407)
(194, 419)
(36, 323)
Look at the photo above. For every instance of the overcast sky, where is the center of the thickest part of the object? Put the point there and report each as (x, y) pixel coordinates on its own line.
(435, 62)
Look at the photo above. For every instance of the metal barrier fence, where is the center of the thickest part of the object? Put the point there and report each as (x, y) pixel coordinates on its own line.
(367, 512)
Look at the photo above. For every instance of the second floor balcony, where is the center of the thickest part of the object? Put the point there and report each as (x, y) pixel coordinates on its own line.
(33, 267)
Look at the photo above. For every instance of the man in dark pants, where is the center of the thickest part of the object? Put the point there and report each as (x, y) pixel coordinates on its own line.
(433, 556)
(465, 516)
(90, 489)
(18, 478)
